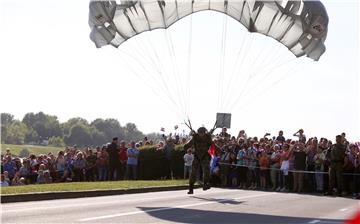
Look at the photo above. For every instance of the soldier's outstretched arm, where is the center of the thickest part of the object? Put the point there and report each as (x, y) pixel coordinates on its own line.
(189, 144)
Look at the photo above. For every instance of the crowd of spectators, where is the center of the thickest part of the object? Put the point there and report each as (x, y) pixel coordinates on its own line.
(277, 163)
(286, 165)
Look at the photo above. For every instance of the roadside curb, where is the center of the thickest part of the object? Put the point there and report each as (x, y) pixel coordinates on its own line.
(81, 194)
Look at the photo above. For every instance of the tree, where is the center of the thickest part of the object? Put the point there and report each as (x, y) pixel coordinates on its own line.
(98, 137)
(6, 120)
(110, 127)
(79, 135)
(66, 127)
(44, 125)
(132, 133)
(16, 133)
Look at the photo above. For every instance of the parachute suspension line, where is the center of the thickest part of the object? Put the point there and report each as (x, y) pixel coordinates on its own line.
(274, 68)
(178, 80)
(148, 83)
(149, 55)
(222, 66)
(162, 85)
(188, 70)
(290, 72)
(244, 76)
(174, 76)
(258, 70)
(230, 84)
(261, 84)
(169, 93)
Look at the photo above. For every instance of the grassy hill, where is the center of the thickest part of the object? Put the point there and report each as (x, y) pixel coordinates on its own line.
(33, 149)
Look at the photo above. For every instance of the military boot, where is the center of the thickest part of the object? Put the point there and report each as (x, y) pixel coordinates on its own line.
(191, 189)
(206, 186)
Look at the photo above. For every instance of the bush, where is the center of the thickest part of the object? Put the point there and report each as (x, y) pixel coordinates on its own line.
(153, 164)
(56, 141)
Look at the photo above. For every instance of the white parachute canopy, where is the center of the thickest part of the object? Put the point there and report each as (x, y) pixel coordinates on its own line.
(299, 26)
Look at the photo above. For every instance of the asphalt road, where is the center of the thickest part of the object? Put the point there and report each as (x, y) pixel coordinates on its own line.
(212, 206)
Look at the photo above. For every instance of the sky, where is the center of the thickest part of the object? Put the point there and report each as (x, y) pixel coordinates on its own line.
(195, 69)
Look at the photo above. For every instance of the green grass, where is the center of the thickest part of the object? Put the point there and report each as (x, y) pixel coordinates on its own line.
(81, 186)
(37, 150)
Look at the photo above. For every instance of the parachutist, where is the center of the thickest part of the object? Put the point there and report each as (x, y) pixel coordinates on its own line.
(200, 142)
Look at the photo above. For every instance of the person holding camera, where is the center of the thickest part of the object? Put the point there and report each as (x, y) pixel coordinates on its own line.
(300, 134)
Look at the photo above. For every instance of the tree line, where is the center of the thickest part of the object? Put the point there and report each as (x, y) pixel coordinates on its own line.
(40, 128)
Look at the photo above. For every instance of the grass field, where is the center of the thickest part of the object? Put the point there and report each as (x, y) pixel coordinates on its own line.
(81, 186)
(37, 150)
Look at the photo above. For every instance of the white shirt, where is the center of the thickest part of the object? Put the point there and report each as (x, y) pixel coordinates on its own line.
(188, 159)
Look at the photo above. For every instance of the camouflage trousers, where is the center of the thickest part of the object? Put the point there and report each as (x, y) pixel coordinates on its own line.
(205, 165)
(335, 175)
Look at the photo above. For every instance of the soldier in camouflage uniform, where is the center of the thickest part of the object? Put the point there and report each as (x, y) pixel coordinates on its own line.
(200, 142)
(337, 156)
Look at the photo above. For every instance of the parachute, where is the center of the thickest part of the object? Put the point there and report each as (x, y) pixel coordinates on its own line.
(301, 26)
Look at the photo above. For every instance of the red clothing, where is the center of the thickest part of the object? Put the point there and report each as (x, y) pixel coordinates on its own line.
(123, 154)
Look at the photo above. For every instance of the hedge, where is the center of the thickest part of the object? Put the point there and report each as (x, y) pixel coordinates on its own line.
(153, 164)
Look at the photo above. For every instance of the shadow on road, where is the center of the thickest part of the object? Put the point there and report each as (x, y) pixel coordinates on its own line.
(222, 201)
(184, 215)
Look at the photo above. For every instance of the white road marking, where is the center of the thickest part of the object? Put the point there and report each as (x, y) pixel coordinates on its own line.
(343, 209)
(314, 221)
(45, 205)
(163, 209)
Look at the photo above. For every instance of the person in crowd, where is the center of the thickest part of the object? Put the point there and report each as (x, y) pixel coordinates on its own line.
(298, 151)
(132, 162)
(188, 160)
(17, 181)
(114, 161)
(325, 146)
(169, 150)
(280, 138)
(264, 166)
(123, 159)
(200, 142)
(102, 162)
(90, 166)
(25, 170)
(225, 161)
(311, 150)
(10, 166)
(242, 163)
(79, 166)
(284, 168)
(343, 138)
(4, 182)
(300, 134)
(319, 160)
(242, 135)
(252, 152)
(356, 177)
(41, 177)
(349, 168)
(275, 166)
(60, 164)
(337, 156)
(224, 134)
